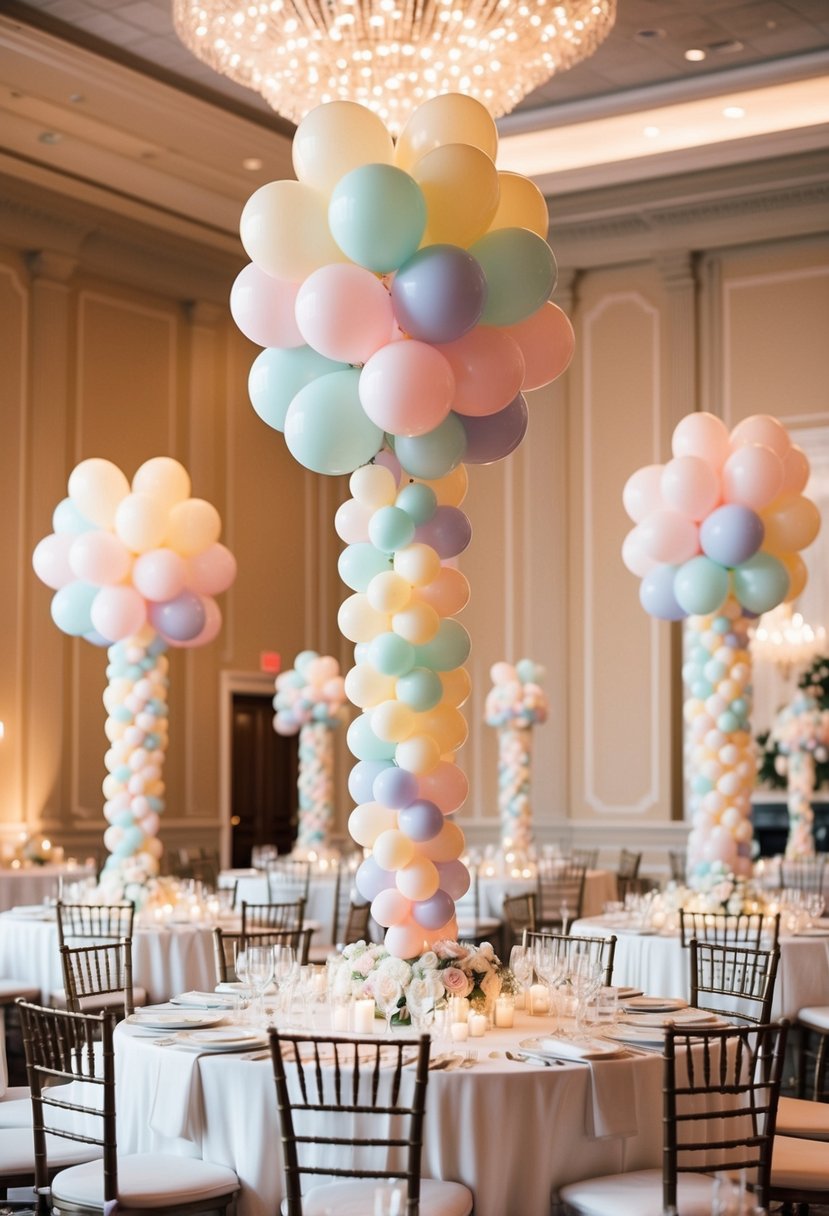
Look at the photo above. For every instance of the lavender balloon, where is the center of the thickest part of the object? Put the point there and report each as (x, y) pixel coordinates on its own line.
(448, 532)
(421, 821)
(180, 619)
(454, 878)
(393, 787)
(656, 593)
(439, 294)
(731, 534)
(370, 879)
(434, 912)
(362, 777)
(494, 436)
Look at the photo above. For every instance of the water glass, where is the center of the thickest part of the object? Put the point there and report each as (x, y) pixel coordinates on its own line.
(607, 1006)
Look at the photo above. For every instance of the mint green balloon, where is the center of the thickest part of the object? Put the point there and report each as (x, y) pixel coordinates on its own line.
(364, 744)
(421, 689)
(391, 655)
(326, 427)
(418, 501)
(761, 582)
(277, 375)
(434, 454)
(448, 649)
(700, 587)
(359, 563)
(520, 273)
(377, 216)
(390, 529)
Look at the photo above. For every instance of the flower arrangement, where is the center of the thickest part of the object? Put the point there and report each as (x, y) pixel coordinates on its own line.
(723, 891)
(448, 969)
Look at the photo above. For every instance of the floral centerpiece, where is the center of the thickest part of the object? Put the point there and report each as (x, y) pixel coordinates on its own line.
(448, 969)
(724, 891)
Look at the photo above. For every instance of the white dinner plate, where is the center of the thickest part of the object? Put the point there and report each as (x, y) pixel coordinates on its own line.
(224, 1038)
(813, 931)
(174, 1019)
(654, 1004)
(624, 994)
(645, 1036)
(234, 987)
(680, 1017)
(204, 1000)
(33, 912)
(564, 1049)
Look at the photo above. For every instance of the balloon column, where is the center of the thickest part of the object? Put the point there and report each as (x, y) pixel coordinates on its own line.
(515, 704)
(135, 568)
(310, 699)
(801, 733)
(402, 294)
(717, 539)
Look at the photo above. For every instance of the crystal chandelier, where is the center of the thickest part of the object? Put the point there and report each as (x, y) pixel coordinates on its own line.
(391, 55)
(784, 638)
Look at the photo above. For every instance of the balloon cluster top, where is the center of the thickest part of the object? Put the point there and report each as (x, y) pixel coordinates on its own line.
(726, 516)
(802, 725)
(312, 691)
(401, 292)
(123, 556)
(516, 698)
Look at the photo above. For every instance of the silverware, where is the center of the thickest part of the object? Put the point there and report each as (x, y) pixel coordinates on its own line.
(544, 1061)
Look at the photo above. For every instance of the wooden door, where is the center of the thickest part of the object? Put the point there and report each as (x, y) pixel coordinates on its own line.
(263, 779)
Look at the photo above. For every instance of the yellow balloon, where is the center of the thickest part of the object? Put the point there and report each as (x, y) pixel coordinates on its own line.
(446, 725)
(364, 686)
(451, 118)
(451, 489)
(460, 185)
(393, 721)
(447, 845)
(373, 485)
(457, 686)
(418, 880)
(418, 754)
(417, 624)
(393, 850)
(358, 621)
(335, 138)
(366, 822)
(284, 229)
(194, 525)
(790, 523)
(521, 205)
(798, 574)
(389, 592)
(417, 563)
(163, 479)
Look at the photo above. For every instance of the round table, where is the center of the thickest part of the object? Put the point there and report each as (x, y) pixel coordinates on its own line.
(599, 889)
(33, 884)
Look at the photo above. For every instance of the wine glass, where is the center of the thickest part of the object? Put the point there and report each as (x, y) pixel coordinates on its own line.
(550, 960)
(585, 979)
(387, 993)
(285, 974)
(420, 1001)
(521, 966)
(259, 973)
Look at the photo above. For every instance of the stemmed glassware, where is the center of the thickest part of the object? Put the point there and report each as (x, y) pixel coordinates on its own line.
(550, 962)
(285, 974)
(585, 979)
(387, 993)
(521, 966)
(240, 967)
(260, 963)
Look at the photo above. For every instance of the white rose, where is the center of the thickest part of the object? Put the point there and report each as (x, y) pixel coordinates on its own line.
(397, 968)
(427, 962)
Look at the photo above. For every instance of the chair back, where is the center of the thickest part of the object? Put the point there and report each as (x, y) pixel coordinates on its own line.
(519, 914)
(273, 916)
(351, 911)
(589, 858)
(356, 925)
(805, 874)
(104, 969)
(62, 1047)
(601, 950)
(734, 981)
(678, 862)
(629, 864)
(733, 1074)
(289, 878)
(226, 944)
(745, 929)
(349, 1109)
(560, 893)
(103, 922)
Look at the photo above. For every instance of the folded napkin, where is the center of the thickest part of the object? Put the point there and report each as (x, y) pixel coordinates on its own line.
(610, 1109)
(178, 1107)
(680, 1017)
(205, 1000)
(231, 987)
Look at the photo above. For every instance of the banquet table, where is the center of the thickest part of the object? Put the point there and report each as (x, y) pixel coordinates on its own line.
(657, 962)
(599, 888)
(511, 1131)
(166, 959)
(34, 884)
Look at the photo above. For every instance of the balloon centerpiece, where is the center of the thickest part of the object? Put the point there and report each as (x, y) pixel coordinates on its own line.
(514, 705)
(717, 539)
(135, 568)
(310, 700)
(401, 291)
(801, 734)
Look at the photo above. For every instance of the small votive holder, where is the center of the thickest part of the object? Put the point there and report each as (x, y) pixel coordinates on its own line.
(459, 1008)
(339, 1016)
(363, 1015)
(504, 1011)
(607, 1006)
(539, 1000)
(459, 1032)
(477, 1023)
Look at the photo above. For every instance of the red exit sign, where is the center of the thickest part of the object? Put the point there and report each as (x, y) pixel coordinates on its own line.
(270, 661)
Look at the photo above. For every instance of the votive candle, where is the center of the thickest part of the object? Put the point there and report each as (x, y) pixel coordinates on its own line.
(504, 1011)
(459, 1031)
(539, 999)
(476, 1024)
(364, 1015)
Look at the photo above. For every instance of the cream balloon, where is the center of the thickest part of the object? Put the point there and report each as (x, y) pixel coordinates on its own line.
(284, 229)
(392, 850)
(521, 205)
(164, 479)
(419, 564)
(335, 138)
(451, 118)
(419, 754)
(141, 521)
(358, 621)
(373, 486)
(194, 524)
(419, 879)
(365, 686)
(96, 487)
(368, 821)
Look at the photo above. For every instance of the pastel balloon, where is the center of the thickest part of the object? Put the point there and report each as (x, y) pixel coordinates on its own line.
(51, 559)
(395, 787)
(488, 369)
(71, 608)
(752, 475)
(388, 592)
(407, 388)
(364, 744)
(344, 313)
(421, 820)
(209, 630)
(418, 563)
(418, 754)
(521, 205)
(642, 493)
(418, 879)
(99, 557)
(371, 879)
(370, 820)
(263, 308)
(159, 574)
(66, 518)
(520, 273)
(142, 522)
(193, 525)
(326, 428)
(276, 376)
(390, 908)
(335, 138)
(765, 430)
(790, 523)
(667, 536)
(164, 479)
(447, 845)
(362, 777)
(761, 583)
(451, 118)
(460, 185)
(457, 686)
(391, 655)
(448, 592)
(700, 585)
(451, 489)
(118, 612)
(418, 501)
(454, 878)
(731, 534)
(390, 529)
(656, 594)
(633, 555)
(373, 485)
(211, 571)
(393, 721)
(360, 563)
(435, 454)
(702, 435)
(439, 294)
(421, 689)
(405, 941)
(393, 850)
(497, 435)
(690, 485)
(179, 619)
(435, 911)
(547, 342)
(377, 216)
(418, 623)
(96, 487)
(448, 649)
(358, 621)
(284, 229)
(366, 687)
(448, 532)
(351, 521)
(446, 725)
(795, 471)
(797, 572)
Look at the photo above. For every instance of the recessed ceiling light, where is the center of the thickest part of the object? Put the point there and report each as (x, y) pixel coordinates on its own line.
(651, 132)
(734, 112)
(252, 163)
(649, 35)
(695, 54)
(76, 98)
(49, 137)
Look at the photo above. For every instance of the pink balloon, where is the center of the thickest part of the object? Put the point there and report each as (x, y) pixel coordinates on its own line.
(344, 312)
(351, 521)
(702, 435)
(447, 786)
(691, 486)
(636, 560)
(547, 343)
(763, 429)
(795, 471)
(99, 558)
(391, 908)
(488, 367)
(667, 536)
(407, 940)
(448, 593)
(150, 823)
(263, 308)
(643, 492)
(210, 628)
(51, 560)
(407, 388)
(118, 612)
(211, 571)
(159, 574)
(752, 476)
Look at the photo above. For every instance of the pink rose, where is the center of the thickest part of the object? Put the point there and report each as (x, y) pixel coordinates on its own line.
(449, 949)
(456, 982)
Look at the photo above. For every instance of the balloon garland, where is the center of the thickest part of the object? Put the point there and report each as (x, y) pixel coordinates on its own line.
(135, 568)
(514, 705)
(402, 294)
(717, 539)
(310, 699)
(801, 733)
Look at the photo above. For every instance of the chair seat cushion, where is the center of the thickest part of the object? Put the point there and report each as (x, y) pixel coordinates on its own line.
(149, 1180)
(799, 1165)
(795, 1117)
(816, 1017)
(357, 1198)
(638, 1193)
(17, 1150)
(16, 1112)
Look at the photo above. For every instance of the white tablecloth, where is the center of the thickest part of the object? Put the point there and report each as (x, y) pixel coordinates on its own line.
(33, 884)
(659, 965)
(164, 960)
(510, 1131)
(599, 889)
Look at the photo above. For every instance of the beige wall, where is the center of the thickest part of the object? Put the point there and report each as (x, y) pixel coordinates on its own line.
(109, 350)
